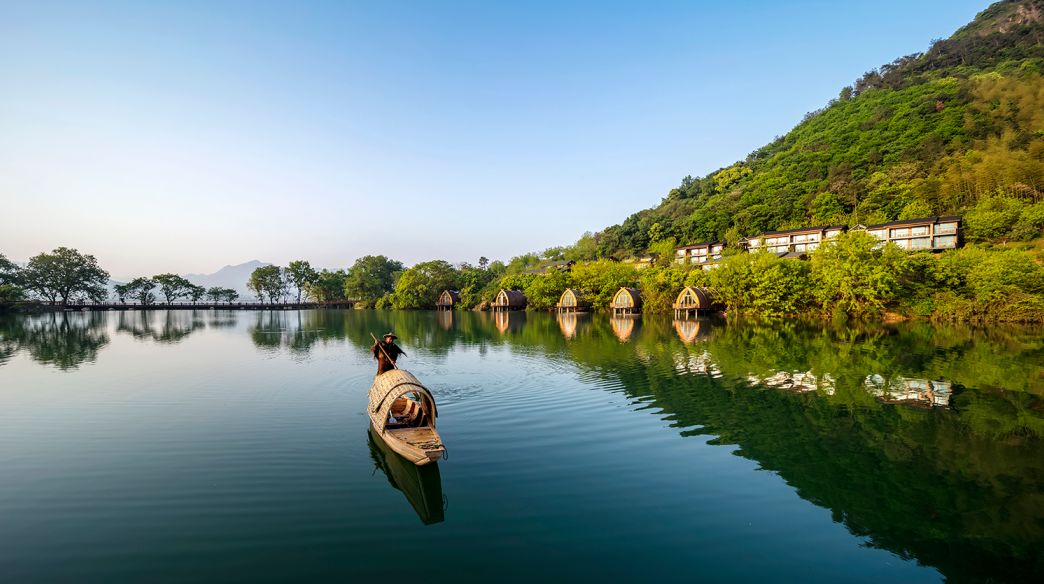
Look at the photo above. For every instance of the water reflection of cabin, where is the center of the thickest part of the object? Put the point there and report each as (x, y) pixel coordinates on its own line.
(508, 300)
(445, 319)
(572, 301)
(688, 330)
(622, 327)
(928, 233)
(791, 241)
(626, 301)
(447, 300)
(692, 299)
(909, 390)
(567, 321)
(705, 254)
(506, 321)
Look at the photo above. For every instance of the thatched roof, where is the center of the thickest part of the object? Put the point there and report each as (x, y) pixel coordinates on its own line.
(448, 298)
(510, 298)
(695, 297)
(573, 297)
(620, 299)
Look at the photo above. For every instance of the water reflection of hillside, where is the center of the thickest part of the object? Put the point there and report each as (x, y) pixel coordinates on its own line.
(829, 410)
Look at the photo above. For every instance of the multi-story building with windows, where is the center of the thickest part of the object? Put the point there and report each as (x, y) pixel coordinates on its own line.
(704, 253)
(799, 241)
(929, 233)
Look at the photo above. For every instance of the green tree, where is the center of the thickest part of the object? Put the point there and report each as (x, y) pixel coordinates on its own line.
(140, 289)
(763, 284)
(172, 286)
(420, 286)
(370, 278)
(300, 274)
(195, 292)
(851, 274)
(267, 281)
(10, 282)
(63, 273)
(327, 287)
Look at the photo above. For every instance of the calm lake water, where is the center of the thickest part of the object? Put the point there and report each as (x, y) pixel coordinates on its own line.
(222, 446)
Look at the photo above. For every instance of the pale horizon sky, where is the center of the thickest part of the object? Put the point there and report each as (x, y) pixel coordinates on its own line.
(185, 136)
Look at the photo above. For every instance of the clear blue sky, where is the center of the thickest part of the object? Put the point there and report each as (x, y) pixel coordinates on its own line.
(183, 136)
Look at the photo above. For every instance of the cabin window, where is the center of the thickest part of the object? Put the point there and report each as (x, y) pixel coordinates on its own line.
(799, 238)
(812, 246)
(901, 232)
(800, 246)
(681, 253)
(946, 241)
(920, 243)
(946, 228)
(832, 233)
(878, 233)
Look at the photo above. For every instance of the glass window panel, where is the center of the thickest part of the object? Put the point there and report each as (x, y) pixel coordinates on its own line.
(946, 228)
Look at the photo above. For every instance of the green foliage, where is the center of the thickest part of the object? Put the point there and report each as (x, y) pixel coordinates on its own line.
(327, 287)
(268, 281)
(763, 284)
(1030, 224)
(926, 134)
(599, 280)
(172, 286)
(139, 289)
(851, 275)
(65, 273)
(301, 275)
(219, 294)
(420, 286)
(371, 277)
(543, 291)
(992, 217)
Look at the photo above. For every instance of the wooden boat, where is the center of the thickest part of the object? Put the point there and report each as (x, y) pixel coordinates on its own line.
(422, 485)
(402, 412)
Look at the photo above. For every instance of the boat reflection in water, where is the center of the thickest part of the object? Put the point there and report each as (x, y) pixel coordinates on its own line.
(422, 485)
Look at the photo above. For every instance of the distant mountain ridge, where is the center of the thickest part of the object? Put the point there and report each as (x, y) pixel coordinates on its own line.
(230, 276)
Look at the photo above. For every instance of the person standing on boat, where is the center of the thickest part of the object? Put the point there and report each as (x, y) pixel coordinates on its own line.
(384, 350)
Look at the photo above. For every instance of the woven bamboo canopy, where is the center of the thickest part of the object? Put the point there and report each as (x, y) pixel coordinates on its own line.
(510, 299)
(448, 298)
(693, 297)
(391, 385)
(572, 298)
(627, 298)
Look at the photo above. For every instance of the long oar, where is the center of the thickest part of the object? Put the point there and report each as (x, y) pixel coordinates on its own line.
(390, 360)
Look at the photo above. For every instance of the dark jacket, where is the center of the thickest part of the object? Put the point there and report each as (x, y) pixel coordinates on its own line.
(392, 350)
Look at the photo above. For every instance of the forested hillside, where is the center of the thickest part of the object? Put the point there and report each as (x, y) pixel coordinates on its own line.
(958, 129)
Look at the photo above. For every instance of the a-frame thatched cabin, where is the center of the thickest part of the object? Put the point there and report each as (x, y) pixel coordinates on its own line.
(447, 300)
(626, 301)
(507, 300)
(572, 301)
(691, 300)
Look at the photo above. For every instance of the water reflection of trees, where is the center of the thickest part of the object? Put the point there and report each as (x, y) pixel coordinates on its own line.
(63, 339)
(827, 408)
(161, 326)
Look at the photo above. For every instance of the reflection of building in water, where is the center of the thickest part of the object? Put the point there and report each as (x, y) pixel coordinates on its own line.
(508, 321)
(622, 327)
(909, 390)
(688, 330)
(701, 363)
(445, 319)
(567, 322)
(799, 381)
